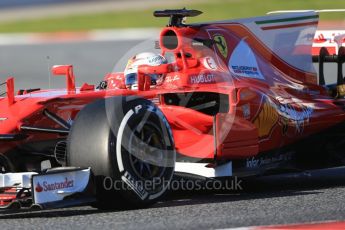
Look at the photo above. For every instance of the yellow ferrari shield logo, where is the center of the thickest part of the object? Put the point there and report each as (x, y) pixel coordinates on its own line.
(221, 45)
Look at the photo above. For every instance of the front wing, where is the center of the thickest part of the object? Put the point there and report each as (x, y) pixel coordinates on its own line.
(56, 188)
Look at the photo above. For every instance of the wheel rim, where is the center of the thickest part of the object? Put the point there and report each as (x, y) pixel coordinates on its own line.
(147, 151)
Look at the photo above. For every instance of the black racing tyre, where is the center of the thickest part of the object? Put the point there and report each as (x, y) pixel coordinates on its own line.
(5, 165)
(128, 144)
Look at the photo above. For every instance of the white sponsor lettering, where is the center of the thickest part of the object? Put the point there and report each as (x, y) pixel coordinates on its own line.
(138, 108)
(209, 63)
(156, 60)
(170, 79)
(255, 162)
(134, 185)
(202, 78)
(54, 186)
(296, 112)
(252, 163)
(290, 112)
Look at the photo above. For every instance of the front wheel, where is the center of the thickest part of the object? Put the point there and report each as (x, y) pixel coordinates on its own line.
(128, 143)
(5, 165)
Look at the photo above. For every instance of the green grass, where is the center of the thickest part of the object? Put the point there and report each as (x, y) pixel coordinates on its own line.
(213, 10)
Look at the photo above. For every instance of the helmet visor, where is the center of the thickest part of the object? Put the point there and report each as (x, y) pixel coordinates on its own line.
(131, 79)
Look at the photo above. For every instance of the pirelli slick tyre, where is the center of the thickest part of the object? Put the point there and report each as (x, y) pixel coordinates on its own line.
(5, 165)
(128, 143)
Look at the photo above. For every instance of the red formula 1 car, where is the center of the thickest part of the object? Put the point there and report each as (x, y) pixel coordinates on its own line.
(236, 98)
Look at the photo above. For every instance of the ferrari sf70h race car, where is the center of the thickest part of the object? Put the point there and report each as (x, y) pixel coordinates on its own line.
(235, 98)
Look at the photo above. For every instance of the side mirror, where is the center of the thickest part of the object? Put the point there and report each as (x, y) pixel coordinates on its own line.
(66, 70)
(144, 80)
(161, 69)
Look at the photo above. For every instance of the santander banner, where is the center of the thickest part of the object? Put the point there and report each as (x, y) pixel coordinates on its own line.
(54, 186)
(57, 185)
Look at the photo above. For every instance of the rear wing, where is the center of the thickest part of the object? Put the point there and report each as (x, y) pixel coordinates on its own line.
(331, 39)
(328, 45)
